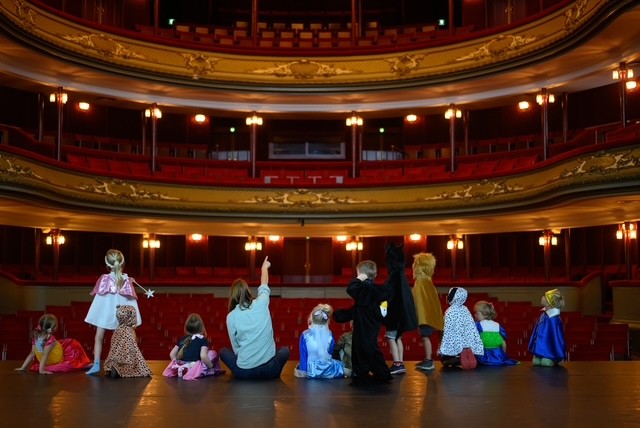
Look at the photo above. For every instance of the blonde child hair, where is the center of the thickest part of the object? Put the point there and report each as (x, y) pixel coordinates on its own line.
(193, 325)
(487, 309)
(555, 298)
(115, 262)
(321, 314)
(424, 264)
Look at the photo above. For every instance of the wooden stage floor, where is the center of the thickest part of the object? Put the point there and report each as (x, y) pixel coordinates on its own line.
(579, 394)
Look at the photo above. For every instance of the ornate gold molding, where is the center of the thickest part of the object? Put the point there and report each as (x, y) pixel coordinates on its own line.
(209, 66)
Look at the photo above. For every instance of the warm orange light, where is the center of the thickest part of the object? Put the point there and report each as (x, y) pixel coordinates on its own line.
(84, 106)
(200, 118)
(415, 237)
(411, 118)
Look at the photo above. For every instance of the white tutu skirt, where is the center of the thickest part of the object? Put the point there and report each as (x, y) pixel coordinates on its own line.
(102, 312)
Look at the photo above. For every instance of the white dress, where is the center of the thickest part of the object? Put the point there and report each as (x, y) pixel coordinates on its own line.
(107, 297)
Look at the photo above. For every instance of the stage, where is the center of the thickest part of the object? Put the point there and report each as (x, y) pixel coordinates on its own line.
(578, 394)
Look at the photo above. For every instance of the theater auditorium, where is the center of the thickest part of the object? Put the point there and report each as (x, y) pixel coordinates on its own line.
(200, 137)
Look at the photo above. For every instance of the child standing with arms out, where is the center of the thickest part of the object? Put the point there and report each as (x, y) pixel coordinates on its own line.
(111, 290)
(316, 347)
(547, 339)
(191, 358)
(368, 361)
(427, 305)
(460, 339)
(493, 336)
(53, 356)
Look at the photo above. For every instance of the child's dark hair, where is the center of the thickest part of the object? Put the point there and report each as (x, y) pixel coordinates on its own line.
(47, 324)
(193, 325)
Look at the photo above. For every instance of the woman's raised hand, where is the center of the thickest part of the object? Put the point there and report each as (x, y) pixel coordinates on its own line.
(266, 264)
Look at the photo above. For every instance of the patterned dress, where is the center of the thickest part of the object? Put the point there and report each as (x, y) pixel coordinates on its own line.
(125, 358)
(459, 328)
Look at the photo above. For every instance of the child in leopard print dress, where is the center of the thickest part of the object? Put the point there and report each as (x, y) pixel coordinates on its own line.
(125, 358)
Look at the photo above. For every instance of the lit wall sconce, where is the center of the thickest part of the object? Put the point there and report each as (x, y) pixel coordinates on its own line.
(625, 74)
(354, 121)
(415, 237)
(411, 118)
(254, 120)
(274, 238)
(547, 238)
(200, 118)
(540, 98)
(150, 242)
(253, 244)
(354, 245)
(342, 238)
(196, 237)
(56, 236)
(453, 112)
(455, 242)
(627, 230)
(524, 105)
(54, 97)
(84, 106)
(157, 113)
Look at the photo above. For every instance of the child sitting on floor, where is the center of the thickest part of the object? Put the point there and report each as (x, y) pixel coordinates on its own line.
(460, 338)
(316, 346)
(493, 336)
(191, 358)
(53, 356)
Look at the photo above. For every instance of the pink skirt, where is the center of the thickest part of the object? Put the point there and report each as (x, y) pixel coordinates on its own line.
(74, 358)
(192, 370)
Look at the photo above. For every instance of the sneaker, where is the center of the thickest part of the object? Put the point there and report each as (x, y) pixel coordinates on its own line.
(425, 365)
(468, 360)
(397, 369)
(451, 362)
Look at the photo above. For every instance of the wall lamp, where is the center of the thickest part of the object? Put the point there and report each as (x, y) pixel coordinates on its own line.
(254, 120)
(545, 96)
(196, 237)
(627, 230)
(63, 95)
(415, 237)
(253, 244)
(55, 235)
(354, 121)
(455, 242)
(157, 113)
(547, 238)
(411, 118)
(354, 245)
(150, 242)
(200, 118)
(625, 74)
(452, 112)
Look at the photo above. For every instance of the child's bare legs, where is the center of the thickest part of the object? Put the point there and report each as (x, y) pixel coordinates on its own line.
(97, 351)
(397, 350)
(425, 332)
(428, 350)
